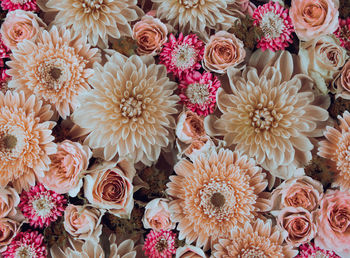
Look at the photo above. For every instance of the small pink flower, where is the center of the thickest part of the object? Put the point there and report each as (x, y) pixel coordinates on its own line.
(160, 244)
(343, 32)
(157, 215)
(26, 5)
(26, 244)
(198, 92)
(310, 250)
(182, 55)
(275, 24)
(41, 206)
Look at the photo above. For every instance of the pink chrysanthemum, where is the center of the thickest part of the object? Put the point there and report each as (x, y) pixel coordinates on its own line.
(275, 24)
(4, 52)
(41, 206)
(160, 244)
(309, 250)
(26, 5)
(182, 55)
(343, 32)
(26, 244)
(198, 92)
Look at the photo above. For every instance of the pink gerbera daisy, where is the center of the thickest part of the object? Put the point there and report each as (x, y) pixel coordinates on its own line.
(275, 24)
(309, 250)
(343, 32)
(26, 244)
(41, 206)
(160, 244)
(183, 54)
(198, 92)
(26, 5)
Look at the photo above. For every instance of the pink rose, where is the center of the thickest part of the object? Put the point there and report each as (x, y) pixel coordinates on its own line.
(313, 18)
(9, 200)
(298, 223)
(20, 25)
(150, 34)
(190, 251)
(189, 127)
(343, 82)
(109, 186)
(333, 220)
(67, 165)
(296, 192)
(222, 51)
(83, 222)
(8, 229)
(157, 215)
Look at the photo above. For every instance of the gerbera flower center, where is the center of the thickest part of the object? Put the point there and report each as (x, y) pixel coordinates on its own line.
(218, 200)
(25, 251)
(184, 56)
(55, 73)
(9, 142)
(272, 25)
(91, 5)
(189, 3)
(162, 245)
(198, 93)
(253, 252)
(132, 106)
(42, 206)
(52, 74)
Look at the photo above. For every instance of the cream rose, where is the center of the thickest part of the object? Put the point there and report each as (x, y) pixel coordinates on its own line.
(333, 222)
(189, 127)
(67, 165)
(343, 82)
(20, 25)
(8, 229)
(157, 215)
(313, 18)
(83, 222)
(9, 200)
(109, 186)
(322, 58)
(190, 251)
(298, 223)
(150, 34)
(296, 192)
(222, 51)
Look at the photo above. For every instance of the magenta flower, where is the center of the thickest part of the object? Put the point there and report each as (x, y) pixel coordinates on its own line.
(343, 32)
(275, 24)
(4, 52)
(160, 244)
(310, 250)
(26, 244)
(41, 206)
(198, 92)
(182, 55)
(26, 5)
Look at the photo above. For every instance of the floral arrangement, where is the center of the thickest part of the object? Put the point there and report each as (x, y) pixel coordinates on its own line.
(163, 128)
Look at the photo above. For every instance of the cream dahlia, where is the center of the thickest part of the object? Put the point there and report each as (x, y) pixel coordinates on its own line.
(271, 112)
(259, 239)
(25, 139)
(55, 68)
(196, 15)
(129, 111)
(215, 194)
(96, 19)
(336, 148)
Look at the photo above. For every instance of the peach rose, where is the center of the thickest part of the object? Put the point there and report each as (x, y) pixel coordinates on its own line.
(109, 186)
(313, 18)
(333, 222)
(83, 222)
(322, 58)
(157, 215)
(189, 127)
(298, 223)
(20, 25)
(190, 251)
(297, 192)
(343, 82)
(8, 229)
(150, 34)
(222, 51)
(67, 165)
(9, 200)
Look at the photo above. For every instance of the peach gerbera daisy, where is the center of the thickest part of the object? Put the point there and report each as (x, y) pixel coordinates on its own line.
(270, 112)
(96, 19)
(25, 139)
(55, 68)
(129, 111)
(260, 239)
(215, 194)
(336, 148)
